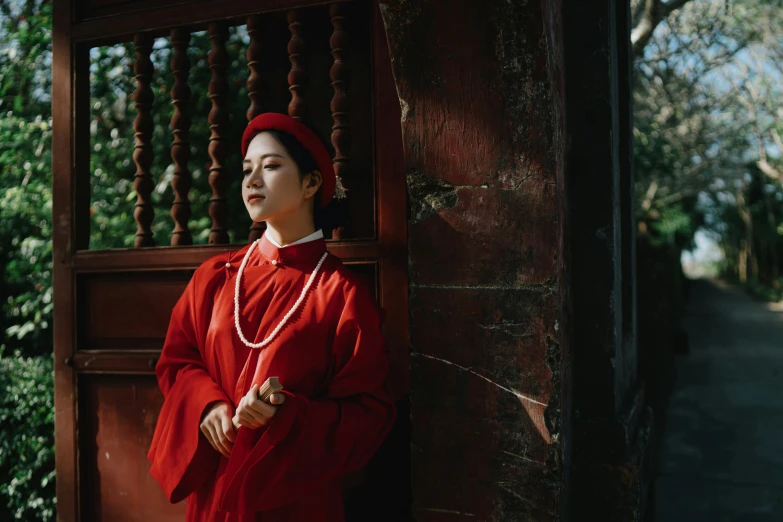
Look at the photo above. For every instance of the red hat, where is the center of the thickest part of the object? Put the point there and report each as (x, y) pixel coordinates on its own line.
(308, 139)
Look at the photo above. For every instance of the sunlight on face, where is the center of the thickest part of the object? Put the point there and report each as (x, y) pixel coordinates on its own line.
(269, 172)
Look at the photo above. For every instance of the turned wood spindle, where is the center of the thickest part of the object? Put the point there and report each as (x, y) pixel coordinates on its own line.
(297, 76)
(254, 91)
(218, 126)
(340, 76)
(142, 133)
(254, 57)
(180, 128)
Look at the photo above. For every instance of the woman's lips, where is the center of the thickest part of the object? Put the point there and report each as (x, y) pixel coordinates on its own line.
(253, 198)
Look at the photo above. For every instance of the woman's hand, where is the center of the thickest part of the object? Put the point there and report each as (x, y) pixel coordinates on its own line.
(217, 428)
(253, 413)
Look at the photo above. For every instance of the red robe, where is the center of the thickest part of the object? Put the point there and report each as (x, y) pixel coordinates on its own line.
(330, 357)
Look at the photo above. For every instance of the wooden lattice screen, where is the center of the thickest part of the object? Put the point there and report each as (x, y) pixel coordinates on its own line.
(112, 306)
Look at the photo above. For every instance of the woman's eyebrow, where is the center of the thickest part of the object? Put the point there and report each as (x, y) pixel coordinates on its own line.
(268, 154)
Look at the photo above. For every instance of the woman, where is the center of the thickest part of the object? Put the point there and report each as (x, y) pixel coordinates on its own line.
(281, 306)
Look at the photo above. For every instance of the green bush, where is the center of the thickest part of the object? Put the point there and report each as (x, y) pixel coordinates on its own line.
(26, 438)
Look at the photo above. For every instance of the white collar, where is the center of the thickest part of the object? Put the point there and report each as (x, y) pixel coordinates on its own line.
(318, 234)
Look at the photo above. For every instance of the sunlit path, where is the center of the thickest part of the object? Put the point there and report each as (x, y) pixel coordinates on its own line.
(722, 454)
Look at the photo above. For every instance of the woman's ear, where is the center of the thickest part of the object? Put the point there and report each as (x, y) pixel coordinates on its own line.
(313, 183)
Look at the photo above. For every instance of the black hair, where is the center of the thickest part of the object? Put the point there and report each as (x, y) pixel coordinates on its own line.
(330, 216)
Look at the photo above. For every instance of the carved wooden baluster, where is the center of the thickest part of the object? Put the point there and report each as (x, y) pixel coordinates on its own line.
(340, 76)
(218, 125)
(180, 127)
(254, 86)
(142, 133)
(297, 75)
(254, 56)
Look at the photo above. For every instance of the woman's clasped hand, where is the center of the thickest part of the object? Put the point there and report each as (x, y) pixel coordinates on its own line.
(253, 413)
(218, 426)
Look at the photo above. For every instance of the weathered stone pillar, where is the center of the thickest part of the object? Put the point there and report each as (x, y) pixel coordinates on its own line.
(611, 421)
(480, 87)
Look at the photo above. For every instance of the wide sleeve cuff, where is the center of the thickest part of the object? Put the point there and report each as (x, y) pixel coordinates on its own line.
(181, 456)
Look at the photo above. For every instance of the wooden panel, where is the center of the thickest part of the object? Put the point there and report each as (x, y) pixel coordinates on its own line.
(88, 9)
(127, 311)
(120, 259)
(116, 362)
(131, 311)
(118, 23)
(368, 272)
(117, 417)
(91, 4)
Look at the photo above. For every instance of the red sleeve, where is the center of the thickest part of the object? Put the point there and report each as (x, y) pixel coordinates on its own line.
(181, 456)
(311, 442)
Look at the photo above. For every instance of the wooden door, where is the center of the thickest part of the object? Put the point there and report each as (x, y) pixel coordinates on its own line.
(112, 305)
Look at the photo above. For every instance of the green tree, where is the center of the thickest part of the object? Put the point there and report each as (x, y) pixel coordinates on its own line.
(26, 445)
(25, 163)
(706, 102)
(26, 403)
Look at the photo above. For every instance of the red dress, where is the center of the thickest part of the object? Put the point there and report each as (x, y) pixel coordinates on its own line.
(330, 357)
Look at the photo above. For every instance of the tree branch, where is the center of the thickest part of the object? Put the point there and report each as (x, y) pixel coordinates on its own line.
(654, 12)
(768, 170)
(777, 140)
(649, 195)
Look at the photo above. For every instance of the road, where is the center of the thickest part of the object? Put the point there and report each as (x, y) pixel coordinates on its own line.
(722, 452)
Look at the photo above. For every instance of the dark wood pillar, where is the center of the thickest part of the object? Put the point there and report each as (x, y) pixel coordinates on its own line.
(480, 91)
(611, 420)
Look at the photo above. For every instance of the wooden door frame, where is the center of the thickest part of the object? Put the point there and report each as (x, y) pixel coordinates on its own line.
(71, 41)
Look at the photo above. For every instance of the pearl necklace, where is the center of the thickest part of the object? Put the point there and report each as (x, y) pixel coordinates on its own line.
(287, 316)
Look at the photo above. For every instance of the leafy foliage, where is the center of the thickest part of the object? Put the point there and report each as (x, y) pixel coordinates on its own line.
(25, 232)
(27, 442)
(26, 382)
(25, 163)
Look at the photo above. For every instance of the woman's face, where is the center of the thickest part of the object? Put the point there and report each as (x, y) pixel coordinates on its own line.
(269, 172)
